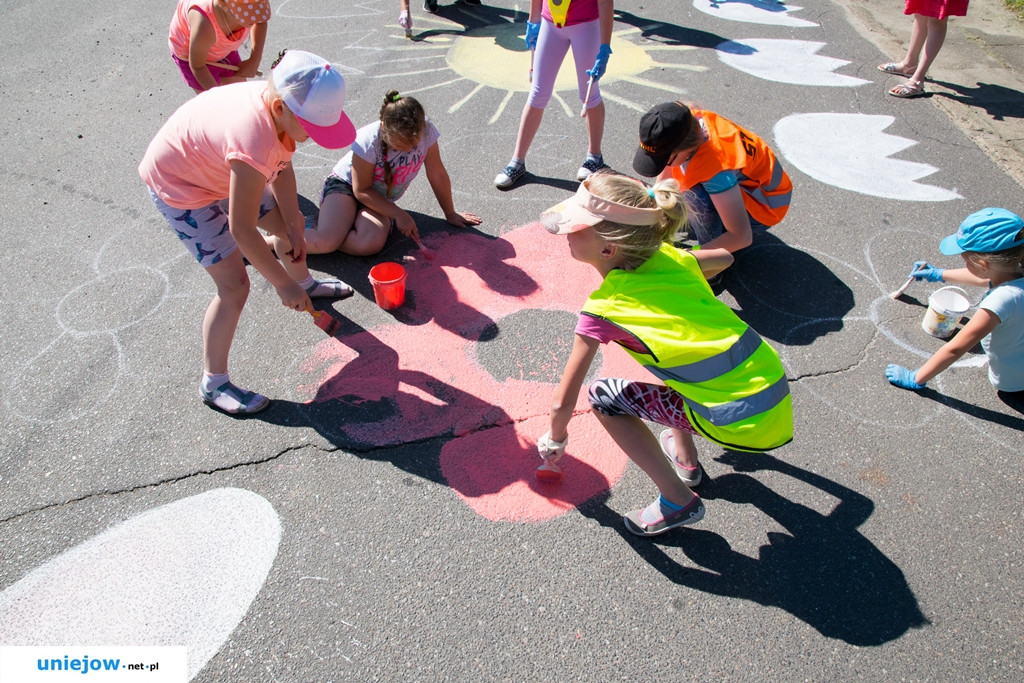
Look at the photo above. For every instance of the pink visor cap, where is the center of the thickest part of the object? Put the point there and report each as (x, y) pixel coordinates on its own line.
(586, 210)
(315, 92)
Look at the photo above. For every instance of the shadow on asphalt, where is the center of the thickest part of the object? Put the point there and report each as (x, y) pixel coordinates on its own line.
(1015, 401)
(670, 34)
(786, 294)
(999, 101)
(823, 571)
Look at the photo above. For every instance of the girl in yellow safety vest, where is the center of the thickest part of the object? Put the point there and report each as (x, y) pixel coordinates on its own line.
(718, 378)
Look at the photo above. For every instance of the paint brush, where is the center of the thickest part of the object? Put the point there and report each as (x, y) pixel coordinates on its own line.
(590, 84)
(229, 67)
(549, 472)
(427, 253)
(324, 322)
(899, 292)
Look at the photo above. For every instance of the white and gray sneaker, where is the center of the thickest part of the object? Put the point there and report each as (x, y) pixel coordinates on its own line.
(510, 176)
(590, 165)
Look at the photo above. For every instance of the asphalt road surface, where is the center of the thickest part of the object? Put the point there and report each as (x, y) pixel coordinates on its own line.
(381, 521)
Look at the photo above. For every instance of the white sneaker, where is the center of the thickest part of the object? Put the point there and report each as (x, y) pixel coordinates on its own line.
(509, 177)
(588, 167)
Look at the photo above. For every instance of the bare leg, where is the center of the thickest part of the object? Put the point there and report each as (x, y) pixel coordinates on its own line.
(337, 216)
(273, 223)
(225, 309)
(637, 441)
(918, 32)
(368, 234)
(595, 129)
(686, 449)
(529, 123)
(936, 35)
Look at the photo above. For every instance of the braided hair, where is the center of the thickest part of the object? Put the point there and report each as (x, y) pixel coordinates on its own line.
(401, 118)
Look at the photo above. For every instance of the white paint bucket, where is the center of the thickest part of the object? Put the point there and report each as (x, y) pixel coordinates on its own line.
(945, 308)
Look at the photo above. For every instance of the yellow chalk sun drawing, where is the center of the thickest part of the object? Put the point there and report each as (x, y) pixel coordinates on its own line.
(496, 57)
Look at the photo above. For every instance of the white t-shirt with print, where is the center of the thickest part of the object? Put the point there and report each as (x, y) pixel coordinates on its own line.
(404, 165)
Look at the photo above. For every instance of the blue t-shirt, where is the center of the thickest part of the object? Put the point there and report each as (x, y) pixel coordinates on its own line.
(1005, 344)
(404, 165)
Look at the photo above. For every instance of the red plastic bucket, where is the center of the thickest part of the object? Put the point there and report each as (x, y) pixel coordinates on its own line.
(388, 280)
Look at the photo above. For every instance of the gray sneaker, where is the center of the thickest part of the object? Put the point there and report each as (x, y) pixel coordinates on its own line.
(691, 514)
(691, 479)
(509, 177)
(590, 166)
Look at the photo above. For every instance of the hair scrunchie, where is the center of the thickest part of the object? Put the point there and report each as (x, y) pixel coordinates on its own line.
(396, 97)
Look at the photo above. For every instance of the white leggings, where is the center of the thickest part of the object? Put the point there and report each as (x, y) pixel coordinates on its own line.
(552, 44)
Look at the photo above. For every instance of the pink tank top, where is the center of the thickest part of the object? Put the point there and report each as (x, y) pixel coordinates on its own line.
(178, 37)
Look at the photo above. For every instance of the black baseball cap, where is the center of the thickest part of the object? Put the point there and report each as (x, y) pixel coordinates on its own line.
(661, 130)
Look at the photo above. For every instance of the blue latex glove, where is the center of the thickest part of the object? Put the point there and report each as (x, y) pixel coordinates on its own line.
(601, 63)
(532, 31)
(926, 271)
(903, 378)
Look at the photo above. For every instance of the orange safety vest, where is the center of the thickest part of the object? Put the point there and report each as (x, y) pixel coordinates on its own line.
(766, 187)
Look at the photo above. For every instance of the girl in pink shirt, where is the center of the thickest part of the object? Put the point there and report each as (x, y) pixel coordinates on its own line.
(205, 36)
(220, 166)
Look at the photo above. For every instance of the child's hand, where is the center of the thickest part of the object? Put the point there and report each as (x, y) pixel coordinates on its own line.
(293, 296)
(926, 271)
(297, 238)
(601, 63)
(249, 68)
(407, 226)
(549, 449)
(462, 220)
(903, 378)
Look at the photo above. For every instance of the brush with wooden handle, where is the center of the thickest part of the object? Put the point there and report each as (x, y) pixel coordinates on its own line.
(324, 322)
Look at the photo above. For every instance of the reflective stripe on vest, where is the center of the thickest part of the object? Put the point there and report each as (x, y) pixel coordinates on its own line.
(741, 409)
(714, 366)
(776, 201)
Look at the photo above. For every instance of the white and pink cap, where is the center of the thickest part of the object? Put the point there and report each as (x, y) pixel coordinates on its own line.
(586, 210)
(314, 91)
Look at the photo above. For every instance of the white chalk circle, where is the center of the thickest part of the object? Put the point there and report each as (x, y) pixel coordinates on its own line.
(181, 574)
(852, 152)
(786, 61)
(67, 379)
(113, 301)
(767, 12)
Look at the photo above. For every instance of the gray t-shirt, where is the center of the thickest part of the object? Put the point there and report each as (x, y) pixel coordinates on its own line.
(404, 165)
(1005, 345)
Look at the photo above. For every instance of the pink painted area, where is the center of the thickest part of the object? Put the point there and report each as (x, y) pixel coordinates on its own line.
(494, 470)
(424, 379)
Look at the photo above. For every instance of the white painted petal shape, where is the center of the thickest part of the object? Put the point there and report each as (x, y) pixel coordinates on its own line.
(852, 151)
(768, 12)
(180, 574)
(786, 61)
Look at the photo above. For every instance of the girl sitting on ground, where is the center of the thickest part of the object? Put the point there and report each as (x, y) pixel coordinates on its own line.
(358, 203)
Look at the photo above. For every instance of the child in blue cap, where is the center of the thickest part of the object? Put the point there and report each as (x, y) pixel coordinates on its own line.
(991, 243)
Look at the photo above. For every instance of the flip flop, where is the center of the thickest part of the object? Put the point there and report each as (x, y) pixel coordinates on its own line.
(893, 68)
(907, 90)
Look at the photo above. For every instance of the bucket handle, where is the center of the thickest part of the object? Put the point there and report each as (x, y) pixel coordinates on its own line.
(962, 293)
